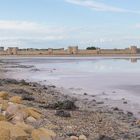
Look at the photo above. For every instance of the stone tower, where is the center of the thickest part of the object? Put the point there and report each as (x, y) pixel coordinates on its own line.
(133, 49)
(50, 51)
(73, 49)
(12, 50)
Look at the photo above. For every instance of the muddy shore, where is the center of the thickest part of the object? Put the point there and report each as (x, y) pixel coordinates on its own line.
(70, 116)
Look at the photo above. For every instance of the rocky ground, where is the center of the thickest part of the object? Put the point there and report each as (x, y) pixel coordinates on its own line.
(30, 111)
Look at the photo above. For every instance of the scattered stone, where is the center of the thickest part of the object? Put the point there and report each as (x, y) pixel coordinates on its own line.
(16, 133)
(27, 128)
(16, 99)
(116, 109)
(4, 134)
(8, 81)
(67, 104)
(101, 121)
(125, 102)
(85, 94)
(19, 116)
(82, 137)
(93, 95)
(31, 119)
(62, 113)
(12, 109)
(43, 134)
(103, 137)
(129, 114)
(33, 113)
(52, 86)
(2, 117)
(138, 122)
(71, 134)
(4, 95)
(101, 102)
(23, 82)
(4, 105)
(74, 138)
(20, 91)
(28, 98)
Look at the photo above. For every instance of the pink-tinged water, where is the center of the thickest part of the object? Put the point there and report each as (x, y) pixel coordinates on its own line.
(108, 78)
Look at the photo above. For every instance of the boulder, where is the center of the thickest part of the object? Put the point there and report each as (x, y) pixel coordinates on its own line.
(43, 134)
(28, 97)
(138, 122)
(67, 104)
(4, 95)
(33, 113)
(82, 137)
(9, 81)
(27, 128)
(4, 134)
(21, 91)
(16, 133)
(31, 120)
(2, 117)
(103, 137)
(4, 105)
(62, 113)
(74, 138)
(19, 116)
(12, 109)
(16, 99)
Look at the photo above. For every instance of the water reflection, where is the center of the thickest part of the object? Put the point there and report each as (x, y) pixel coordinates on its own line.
(134, 60)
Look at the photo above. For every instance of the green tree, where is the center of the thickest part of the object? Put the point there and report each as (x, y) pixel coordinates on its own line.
(91, 48)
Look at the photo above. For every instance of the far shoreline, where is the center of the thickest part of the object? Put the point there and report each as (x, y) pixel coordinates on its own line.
(74, 56)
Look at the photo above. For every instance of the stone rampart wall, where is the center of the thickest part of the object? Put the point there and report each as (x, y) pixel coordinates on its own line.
(87, 52)
(126, 51)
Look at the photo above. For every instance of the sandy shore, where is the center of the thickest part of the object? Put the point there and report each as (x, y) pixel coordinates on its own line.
(72, 116)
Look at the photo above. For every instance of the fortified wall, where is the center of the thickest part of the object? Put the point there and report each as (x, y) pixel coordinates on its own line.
(71, 50)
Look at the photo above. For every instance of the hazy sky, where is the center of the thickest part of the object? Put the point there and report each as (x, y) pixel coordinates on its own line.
(60, 23)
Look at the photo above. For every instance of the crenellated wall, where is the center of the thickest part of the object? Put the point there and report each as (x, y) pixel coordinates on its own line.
(88, 52)
(70, 51)
(125, 51)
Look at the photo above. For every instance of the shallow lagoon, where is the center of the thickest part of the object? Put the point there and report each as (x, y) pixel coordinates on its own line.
(113, 80)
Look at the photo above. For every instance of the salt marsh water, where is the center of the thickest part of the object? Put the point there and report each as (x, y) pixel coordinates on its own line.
(113, 80)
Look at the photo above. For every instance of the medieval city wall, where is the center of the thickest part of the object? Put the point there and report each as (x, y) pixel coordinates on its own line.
(32, 52)
(3, 53)
(70, 51)
(42, 52)
(87, 52)
(125, 51)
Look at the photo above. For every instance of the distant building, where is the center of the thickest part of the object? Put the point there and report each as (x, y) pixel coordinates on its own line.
(73, 49)
(133, 49)
(1, 48)
(12, 50)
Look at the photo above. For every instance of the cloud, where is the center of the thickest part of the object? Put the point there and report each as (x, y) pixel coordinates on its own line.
(28, 28)
(12, 32)
(38, 35)
(98, 6)
(32, 34)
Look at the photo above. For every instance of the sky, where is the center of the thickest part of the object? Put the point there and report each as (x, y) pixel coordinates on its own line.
(63, 23)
